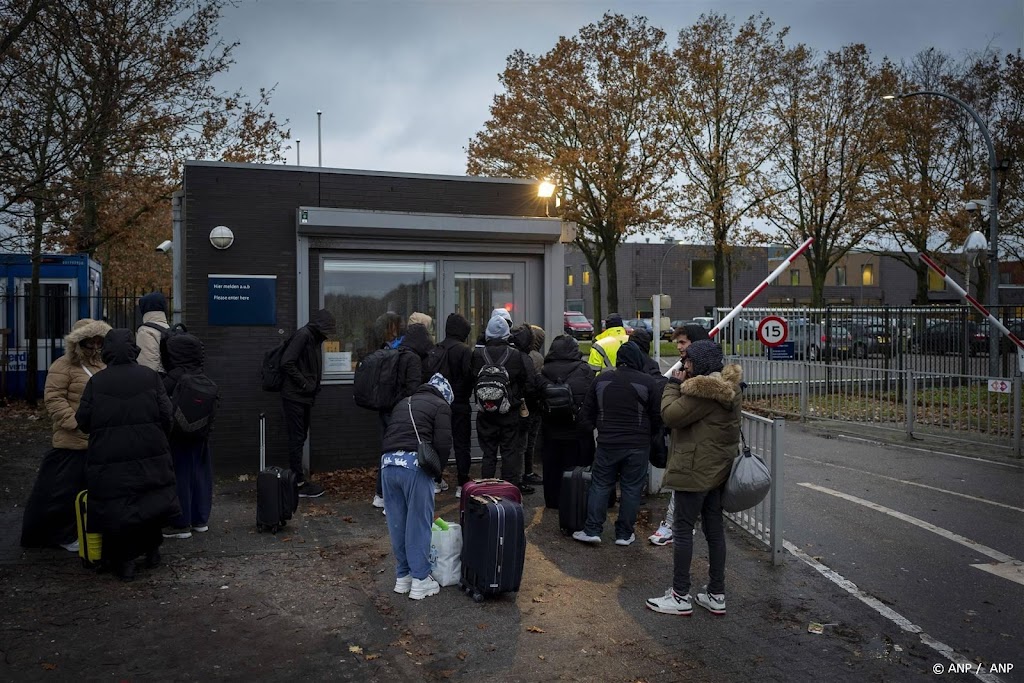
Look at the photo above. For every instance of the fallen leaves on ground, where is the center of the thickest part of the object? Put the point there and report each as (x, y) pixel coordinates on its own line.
(534, 629)
(355, 649)
(462, 656)
(354, 483)
(317, 511)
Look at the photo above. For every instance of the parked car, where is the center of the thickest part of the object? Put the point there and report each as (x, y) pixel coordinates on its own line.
(812, 341)
(869, 339)
(950, 336)
(576, 325)
(706, 323)
(635, 323)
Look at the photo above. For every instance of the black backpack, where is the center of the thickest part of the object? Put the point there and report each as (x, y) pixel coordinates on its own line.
(437, 361)
(376, 380)
(165, 334)
(558, 401)
(491, 390)
(194, 405)
(271, 377)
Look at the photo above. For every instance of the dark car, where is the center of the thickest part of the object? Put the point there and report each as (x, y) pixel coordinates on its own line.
(812, 342)
(868, 340)
(576, 325)
(950, 336)
(636, 323)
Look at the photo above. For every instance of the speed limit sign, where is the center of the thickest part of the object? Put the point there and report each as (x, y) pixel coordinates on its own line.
(772, 331)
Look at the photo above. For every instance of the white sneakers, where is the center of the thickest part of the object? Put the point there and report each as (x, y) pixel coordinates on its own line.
(712, 602)
(70, 547)
(671, 603)
(378, 502)
(403, 584)
(423, 588)
(680, 605)
(440, 486)
(458, 491)
(663, 536)
(626, 541)
(583, 537)
(203, 528)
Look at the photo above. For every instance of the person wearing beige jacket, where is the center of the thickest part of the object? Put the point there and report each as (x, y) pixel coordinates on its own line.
(153, 307)
(49, 517)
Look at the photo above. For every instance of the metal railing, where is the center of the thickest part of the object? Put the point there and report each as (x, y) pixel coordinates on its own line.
(955, 407)
(766, 439)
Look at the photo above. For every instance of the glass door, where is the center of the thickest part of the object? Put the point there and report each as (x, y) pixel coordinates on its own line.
(475, 288)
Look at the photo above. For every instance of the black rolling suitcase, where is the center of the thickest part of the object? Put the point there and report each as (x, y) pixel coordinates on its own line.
(277, 491)
(572, 499)
(493, 547)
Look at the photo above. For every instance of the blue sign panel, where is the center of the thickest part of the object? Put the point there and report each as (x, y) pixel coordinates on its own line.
(242, 299)
(784, 351)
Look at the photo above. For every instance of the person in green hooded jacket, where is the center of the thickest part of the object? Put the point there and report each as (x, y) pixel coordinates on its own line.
(702, 405)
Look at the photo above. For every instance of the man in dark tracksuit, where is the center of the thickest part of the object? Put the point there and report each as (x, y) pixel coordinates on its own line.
(457, 358)
(624, 405)
(302, 366)
(496, 432)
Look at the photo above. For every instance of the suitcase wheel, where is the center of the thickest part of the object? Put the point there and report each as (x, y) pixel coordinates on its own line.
(478, 597)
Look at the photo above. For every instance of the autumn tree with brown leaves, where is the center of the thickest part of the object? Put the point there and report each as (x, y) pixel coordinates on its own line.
(820, 184)
(724, 78)
(591, 115)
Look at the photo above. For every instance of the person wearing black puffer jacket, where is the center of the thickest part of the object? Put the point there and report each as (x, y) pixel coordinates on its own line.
(302, 366)
(642, 338)
(623, 405)
(129, 475)
(408, 490)
(193, 466)
(451, 358)
(565, 443)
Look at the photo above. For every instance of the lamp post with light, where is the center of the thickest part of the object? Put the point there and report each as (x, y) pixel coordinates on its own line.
(993, 222)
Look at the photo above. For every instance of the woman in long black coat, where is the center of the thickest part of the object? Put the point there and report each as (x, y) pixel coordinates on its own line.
(130, 475)
(565, 443)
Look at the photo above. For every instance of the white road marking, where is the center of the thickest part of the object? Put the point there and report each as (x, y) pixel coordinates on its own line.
(889, 613)
(1016, 577)
(929, 450)
(908, 483)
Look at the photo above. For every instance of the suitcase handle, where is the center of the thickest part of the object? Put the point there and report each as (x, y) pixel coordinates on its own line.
(492, 480)
(263, 441)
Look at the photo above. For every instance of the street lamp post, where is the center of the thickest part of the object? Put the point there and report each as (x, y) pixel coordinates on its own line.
(319, 146)
(993, 221)
(657, 313)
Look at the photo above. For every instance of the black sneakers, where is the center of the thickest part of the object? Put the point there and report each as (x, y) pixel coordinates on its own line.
(310, 490)
(532, 478)
(526, 489)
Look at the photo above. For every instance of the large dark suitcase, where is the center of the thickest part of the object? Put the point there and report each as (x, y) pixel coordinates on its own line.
(493, 547)
(488, 487)
(572, 499)
(277, 490)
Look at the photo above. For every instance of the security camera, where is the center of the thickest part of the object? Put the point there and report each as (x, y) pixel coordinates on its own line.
(975, 205)
(164, 246)
(971, 207)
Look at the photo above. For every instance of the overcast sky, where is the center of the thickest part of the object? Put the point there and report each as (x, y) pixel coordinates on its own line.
(403, 85)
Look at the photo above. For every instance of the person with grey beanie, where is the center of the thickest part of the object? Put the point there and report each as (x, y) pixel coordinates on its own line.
(702, 404)
(497, 426)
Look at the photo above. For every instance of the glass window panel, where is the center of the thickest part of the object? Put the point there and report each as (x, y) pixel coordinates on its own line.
(568, 276)
(586, 275)
(840, 276)
(794, 278)
(477, 294)
(357, 291)
(867, 275)
(702, 274)
(935, 282)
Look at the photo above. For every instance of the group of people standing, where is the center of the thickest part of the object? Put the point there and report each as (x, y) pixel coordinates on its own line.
(114, 435)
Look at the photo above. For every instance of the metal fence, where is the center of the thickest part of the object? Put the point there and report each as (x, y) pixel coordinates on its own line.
(766, 439)
(57, 313)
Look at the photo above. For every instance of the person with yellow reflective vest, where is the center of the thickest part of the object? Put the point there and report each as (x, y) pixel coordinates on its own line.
(606, 345)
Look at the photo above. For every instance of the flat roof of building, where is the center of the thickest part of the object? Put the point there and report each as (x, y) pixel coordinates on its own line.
(350, 171)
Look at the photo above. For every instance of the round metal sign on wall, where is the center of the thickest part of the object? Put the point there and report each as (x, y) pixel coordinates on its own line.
(772, 330)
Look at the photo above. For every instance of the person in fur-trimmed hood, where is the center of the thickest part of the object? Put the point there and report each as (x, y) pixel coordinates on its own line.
(49, 517)
(702, 404)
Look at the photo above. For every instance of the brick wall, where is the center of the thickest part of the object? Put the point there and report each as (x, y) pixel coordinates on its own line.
(259, 205)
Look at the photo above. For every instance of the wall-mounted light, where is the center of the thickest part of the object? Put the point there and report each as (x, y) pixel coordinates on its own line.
(221, 237)
(546, 189)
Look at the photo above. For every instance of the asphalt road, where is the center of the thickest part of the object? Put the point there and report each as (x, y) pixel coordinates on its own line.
(924, 574)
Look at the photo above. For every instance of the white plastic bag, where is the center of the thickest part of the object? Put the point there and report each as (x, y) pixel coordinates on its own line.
(748, 483)
(446, 554)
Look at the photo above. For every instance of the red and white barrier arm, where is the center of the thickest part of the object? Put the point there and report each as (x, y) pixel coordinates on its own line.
(994, 321)
(750, 297)
(760, 288)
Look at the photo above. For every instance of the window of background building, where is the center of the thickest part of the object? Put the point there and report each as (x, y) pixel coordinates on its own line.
(867, 275)
(586, 275)
(935, 283)
(568, 276)
(357, 291)
(840, 276)
(794, 278)
(702, 274)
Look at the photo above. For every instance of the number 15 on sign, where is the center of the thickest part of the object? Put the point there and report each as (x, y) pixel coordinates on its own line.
(772, 330)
